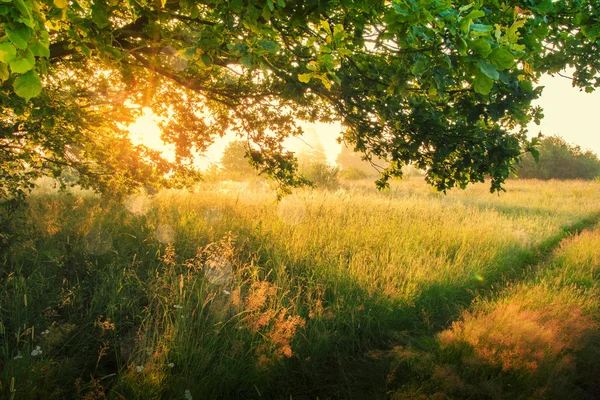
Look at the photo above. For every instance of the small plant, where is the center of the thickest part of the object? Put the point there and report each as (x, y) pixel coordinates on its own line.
(324, 176)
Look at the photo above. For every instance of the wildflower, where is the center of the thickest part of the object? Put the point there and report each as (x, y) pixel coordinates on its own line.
(37, 351)
(227, 292)
(139, 368)
(177, 306)
(187, 395)
(171, 365)
(17, 357)
(45, 332)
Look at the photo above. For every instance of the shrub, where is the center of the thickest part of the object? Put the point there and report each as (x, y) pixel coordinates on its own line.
(324, 176)
(353, 174)
(559, 160)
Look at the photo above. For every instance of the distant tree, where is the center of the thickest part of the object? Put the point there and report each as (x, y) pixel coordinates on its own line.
(351, 162)
(235, 161)
(559, 160)
(313, 153)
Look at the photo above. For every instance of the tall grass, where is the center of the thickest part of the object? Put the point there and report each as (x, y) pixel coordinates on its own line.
(227, 294)
(534, 338)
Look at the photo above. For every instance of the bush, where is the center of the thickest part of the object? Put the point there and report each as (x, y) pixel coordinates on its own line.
(559, 160)
(235, 164)
(324, 176)
(353, 174)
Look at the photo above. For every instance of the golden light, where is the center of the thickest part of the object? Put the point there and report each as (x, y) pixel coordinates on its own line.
(145, 131)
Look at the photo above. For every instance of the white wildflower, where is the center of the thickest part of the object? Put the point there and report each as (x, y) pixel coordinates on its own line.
(17, 357)
(187, 395)
(37, 351)
(45, 332)
(139, 368)
(171, 365)
(177, 306)
(227, 292)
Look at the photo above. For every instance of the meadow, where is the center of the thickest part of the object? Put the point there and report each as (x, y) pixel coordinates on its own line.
(224, 293)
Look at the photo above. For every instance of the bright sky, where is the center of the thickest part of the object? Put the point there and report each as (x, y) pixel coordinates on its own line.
(569, 112)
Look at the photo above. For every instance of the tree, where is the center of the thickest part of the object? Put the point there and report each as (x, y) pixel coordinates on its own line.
(445, 85)
(348, 159)
(559, 160)
(234, 161)
(313, 153)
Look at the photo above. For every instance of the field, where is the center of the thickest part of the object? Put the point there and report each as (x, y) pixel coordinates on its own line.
(224, 293)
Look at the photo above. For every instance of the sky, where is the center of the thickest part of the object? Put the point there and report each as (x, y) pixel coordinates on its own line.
(568, 112)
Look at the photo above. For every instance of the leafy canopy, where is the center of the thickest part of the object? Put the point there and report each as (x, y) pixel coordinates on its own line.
(445, 85)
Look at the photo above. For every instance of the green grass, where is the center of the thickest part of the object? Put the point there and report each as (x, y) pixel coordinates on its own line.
(346, 294)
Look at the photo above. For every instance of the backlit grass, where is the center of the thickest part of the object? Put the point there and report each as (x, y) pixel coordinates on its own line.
(227, 294)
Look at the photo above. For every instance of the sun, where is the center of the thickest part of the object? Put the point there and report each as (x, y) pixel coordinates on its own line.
(145, 131)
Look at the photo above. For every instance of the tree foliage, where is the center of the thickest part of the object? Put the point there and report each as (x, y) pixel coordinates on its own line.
(234, 161)
(445, 85)
(559, 160)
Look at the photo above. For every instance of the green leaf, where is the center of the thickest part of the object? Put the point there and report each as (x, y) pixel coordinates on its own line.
(419, 67)
(7, 52)
(266, 13)
(61, 3)
(591, 31)
(325, 26)
(21, 64)
(327, 61)
(28, 85)
(481, 47)
(305, 78)
(338, 31)
(4, 74)
(461, 46)
(535, 153)
(475, 14)
(481, 28)
(502, 59)
(236, 5)
(526, 86)
(100, 15)
(23, 8)
(483, 84)
(268, 45)
(206, 60)
(247, 60)
(20, 36)
(39, 49)
(488, 69)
